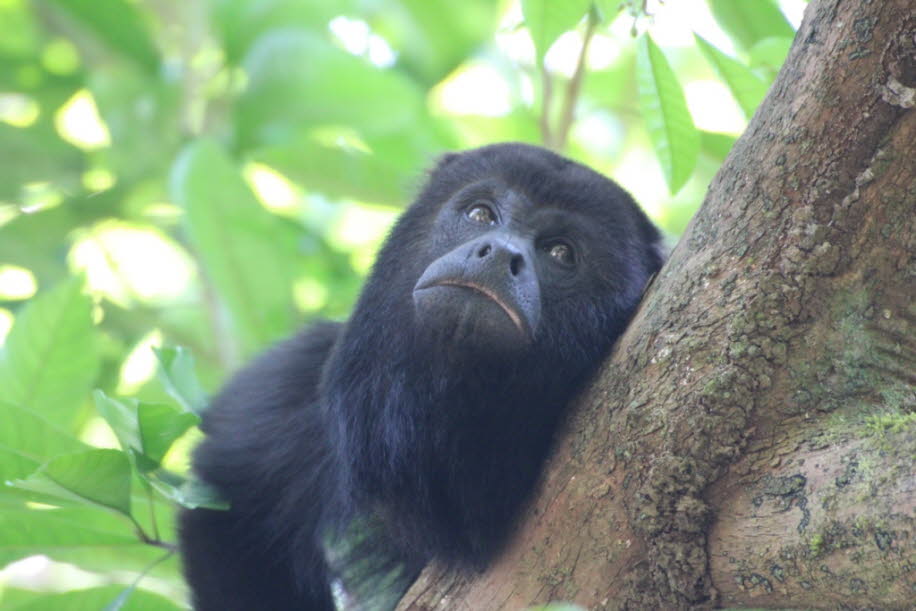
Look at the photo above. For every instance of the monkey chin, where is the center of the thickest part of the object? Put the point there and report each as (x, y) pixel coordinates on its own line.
(466, 319)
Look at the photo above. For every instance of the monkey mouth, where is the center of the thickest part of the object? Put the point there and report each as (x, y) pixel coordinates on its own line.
(486, 292)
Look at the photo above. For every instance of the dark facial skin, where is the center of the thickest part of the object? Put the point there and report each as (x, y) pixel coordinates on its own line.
(485, 292)
(500, 249)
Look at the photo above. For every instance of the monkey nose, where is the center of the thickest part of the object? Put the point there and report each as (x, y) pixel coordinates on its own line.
(501, 254)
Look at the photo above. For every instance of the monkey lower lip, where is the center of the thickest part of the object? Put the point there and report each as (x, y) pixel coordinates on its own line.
(510, 312)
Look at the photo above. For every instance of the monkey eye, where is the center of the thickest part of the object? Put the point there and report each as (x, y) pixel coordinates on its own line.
(481, 213)
(562, 253)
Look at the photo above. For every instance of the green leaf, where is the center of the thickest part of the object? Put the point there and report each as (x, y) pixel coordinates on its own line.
(140, 111)
(95, 477)
(90, 599)
(547, 19)
(19, 34)
(118, 24)
(770, 52)
(433, 38)
(79, 534)
(36, 153)
(747, 88)
(241, 22)
(160, 425)
(318, 84)
(50, 357)
(341, 166)
(27, 440)
(34, 240)
(144, 430)
(338, 172)
(248, 253)
(716, 145)
(191, 493)
(750, 21)
(178, 376)
(25, 531)
(121, 416)
(664, 108)
(607, 10)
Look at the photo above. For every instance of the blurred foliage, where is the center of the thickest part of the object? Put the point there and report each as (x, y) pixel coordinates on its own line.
(211, 174)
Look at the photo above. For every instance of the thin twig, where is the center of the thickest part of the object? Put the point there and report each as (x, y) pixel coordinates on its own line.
(154, 541)
(170, 547)
(547, 97)
(152, 510)
(574, 86)
(122, 596)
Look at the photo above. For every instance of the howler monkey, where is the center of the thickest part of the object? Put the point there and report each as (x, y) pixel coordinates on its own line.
(355, 453)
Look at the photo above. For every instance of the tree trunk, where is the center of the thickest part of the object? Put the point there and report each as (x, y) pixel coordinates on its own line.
(751, 441)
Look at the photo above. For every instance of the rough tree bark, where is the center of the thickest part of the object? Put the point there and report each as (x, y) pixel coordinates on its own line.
(751, 441)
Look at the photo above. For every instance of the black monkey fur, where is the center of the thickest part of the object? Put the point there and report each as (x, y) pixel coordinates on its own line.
(417, 430)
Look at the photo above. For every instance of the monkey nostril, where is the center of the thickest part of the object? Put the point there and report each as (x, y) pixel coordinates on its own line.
(484, 251)
(515, 264)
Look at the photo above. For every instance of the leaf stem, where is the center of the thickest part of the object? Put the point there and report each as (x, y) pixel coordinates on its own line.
(154, 541)
(152, 510)
(121, 598)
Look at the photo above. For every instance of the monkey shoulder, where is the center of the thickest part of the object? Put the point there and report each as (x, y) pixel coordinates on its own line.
(265, 422)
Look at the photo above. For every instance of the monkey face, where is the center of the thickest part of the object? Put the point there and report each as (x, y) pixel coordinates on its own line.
(485, 292)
